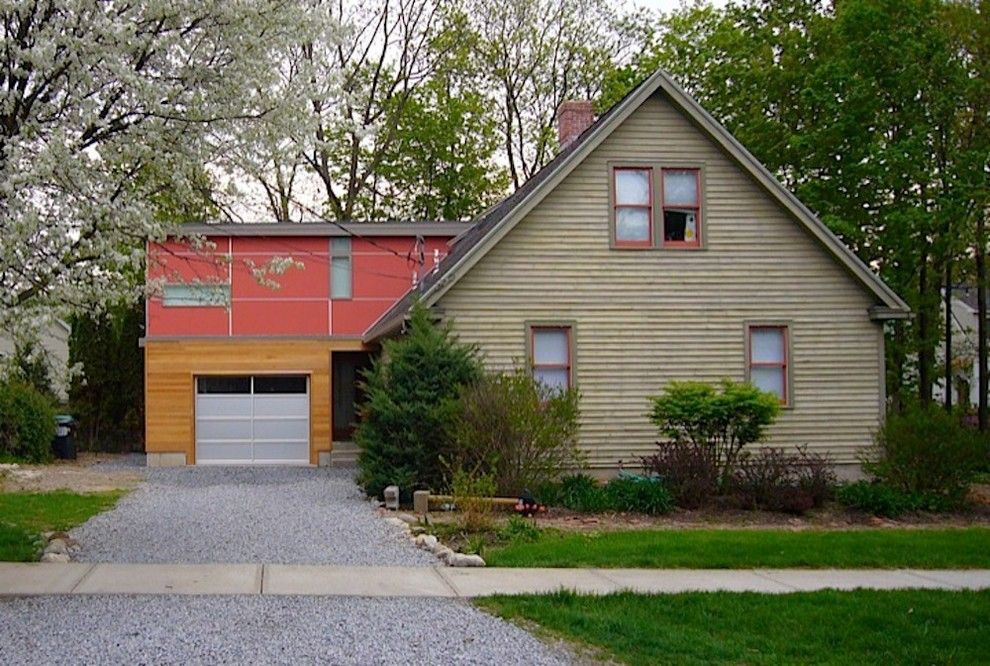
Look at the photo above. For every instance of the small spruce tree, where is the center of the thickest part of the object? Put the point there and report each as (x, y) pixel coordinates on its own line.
(411, 397)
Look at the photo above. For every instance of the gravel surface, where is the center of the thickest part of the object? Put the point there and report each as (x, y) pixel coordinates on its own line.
(260, 630)
(123, 461)
(288, 515)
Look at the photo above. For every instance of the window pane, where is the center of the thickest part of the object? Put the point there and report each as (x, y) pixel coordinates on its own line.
(340, 277)
(196, 294)
(632, 187)
(340, 247)
(768, 379)
(680, 188)
(550, 347)
(680, 225)
(296, 384)
(556, 379)
(223, 385)
(767, 345)
(632, 224)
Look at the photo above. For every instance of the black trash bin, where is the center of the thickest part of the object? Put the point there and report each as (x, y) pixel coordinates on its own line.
(64, 443)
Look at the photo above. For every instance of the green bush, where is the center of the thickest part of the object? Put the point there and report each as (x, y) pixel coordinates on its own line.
(27, 423)
(519, 529)
(511, 427)
(411, 398)
(638, 494)
(881, 499)
(925, 451)
(719, 422)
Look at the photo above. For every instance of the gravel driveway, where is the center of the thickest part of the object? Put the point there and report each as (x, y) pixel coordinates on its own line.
(289, 515)
(260, 630)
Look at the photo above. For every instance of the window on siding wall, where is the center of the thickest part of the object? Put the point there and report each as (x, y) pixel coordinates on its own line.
(632, 211)
(340, 268)
(768, 362)
(551, 356)
(681, 207)
(196, 295)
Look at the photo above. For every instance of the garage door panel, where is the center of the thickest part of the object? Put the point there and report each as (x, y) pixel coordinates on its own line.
(228, 451)
(281, 451)
(224, 405)
(281, 405)
(276, 429)
(237, 429)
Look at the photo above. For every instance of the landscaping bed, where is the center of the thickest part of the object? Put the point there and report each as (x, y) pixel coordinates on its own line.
(861, 626)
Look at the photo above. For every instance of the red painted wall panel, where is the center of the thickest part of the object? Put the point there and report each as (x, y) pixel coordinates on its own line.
(382, 269)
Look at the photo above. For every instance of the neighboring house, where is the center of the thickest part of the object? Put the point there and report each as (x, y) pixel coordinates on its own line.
(653, 248)
(965, 369)
(54, 339)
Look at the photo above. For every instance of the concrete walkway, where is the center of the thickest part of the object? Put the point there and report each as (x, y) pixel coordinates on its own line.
(17, 579)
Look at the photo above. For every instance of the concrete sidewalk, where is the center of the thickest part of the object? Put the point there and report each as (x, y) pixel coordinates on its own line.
(17, 579)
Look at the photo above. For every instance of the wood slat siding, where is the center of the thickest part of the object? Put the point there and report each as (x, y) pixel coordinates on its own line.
(170, 368)
(644, 318)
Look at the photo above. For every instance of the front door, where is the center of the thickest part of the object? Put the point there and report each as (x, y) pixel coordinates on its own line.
(347, 395)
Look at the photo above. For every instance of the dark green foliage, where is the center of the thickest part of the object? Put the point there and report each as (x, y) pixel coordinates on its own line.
(519, 529)
(30, 365)
(512, 428)
(411, 398)
(719, 422)
(107, 399)
(626, 493)
(881, 499)
(925, 451)
(27, 422)
(17, 544)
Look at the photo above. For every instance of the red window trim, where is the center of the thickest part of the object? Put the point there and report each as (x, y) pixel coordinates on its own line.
(616, 206)
(696, 243)
(783, 365)
(533, 330)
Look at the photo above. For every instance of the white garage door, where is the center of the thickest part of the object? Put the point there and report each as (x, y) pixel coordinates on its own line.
(260, 419)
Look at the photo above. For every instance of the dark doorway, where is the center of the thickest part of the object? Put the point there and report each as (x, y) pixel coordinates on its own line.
(347, 395)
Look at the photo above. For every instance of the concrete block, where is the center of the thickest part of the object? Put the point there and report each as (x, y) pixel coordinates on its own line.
(165, 459)
(17, 578)
(421, 502)
(302, 579)
(391, 497)
(172, 579)
(324, 458)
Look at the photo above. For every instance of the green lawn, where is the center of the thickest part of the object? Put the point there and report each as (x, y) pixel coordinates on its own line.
(25, 515)
(965, 548)
(897, 627)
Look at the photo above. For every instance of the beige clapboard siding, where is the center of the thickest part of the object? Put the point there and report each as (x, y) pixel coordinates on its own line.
(644, 318)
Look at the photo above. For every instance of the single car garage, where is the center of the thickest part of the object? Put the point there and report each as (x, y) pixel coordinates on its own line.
(252, 419)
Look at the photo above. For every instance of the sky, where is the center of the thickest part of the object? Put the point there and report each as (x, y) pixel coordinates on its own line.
(667, 5)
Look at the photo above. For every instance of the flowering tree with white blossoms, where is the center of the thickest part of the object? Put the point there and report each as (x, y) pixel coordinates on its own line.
(112, 115)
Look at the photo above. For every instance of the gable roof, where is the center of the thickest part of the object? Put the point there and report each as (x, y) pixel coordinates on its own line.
(493, 224)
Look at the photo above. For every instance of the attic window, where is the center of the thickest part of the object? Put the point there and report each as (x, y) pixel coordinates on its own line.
(632, 212)
(681, 207)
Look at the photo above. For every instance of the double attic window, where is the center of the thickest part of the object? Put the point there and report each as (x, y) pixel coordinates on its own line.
(656, 207)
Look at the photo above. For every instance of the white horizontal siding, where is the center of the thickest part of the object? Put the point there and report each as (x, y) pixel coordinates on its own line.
(645, 318)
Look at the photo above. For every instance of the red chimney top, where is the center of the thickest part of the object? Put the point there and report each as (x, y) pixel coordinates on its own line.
(573, 117)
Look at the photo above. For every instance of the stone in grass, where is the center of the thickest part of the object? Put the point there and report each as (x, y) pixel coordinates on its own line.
(55, 557)
(57, 546)
(442, 552)
(426, 541)
(462, 560)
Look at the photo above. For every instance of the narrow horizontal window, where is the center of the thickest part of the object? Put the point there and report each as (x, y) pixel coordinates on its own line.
(196, 295)
(681, 207)
(768, 363)
(632, 211)
(285, 384)
(340, 268)
(551, 356)
(228, 385)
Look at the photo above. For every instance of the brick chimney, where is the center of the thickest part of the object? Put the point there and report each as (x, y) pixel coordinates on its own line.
(573, 117)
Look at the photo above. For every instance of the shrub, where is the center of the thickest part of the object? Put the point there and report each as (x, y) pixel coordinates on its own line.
(579, 492)
(515, 429)
(638, 494)
(880, 499)
(471, 494)
(519, 529)
(926, 451)
(689, 473)
(720, 422)
(778, 480)
(411, 397)
(27, 423)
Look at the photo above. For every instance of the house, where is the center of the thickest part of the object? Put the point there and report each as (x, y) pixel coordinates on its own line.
(53, 339)
(653, 248)
(965, 368)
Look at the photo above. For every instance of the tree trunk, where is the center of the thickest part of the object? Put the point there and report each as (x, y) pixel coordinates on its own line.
(948, 334)
(981, 313)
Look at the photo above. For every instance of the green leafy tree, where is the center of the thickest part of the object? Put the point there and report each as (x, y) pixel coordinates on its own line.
(411, 397)
(27, 422)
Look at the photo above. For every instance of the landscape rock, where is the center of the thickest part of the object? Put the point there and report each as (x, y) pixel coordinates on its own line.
(442, 552)
(57, 546)
(406, 518)
(462, 560)
(427, 541)
(55, 557)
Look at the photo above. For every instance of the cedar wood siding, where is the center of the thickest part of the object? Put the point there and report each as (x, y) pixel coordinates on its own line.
(646, 317)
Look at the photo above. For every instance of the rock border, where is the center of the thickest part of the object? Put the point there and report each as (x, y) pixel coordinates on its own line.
(58, 547)
(430, 543)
